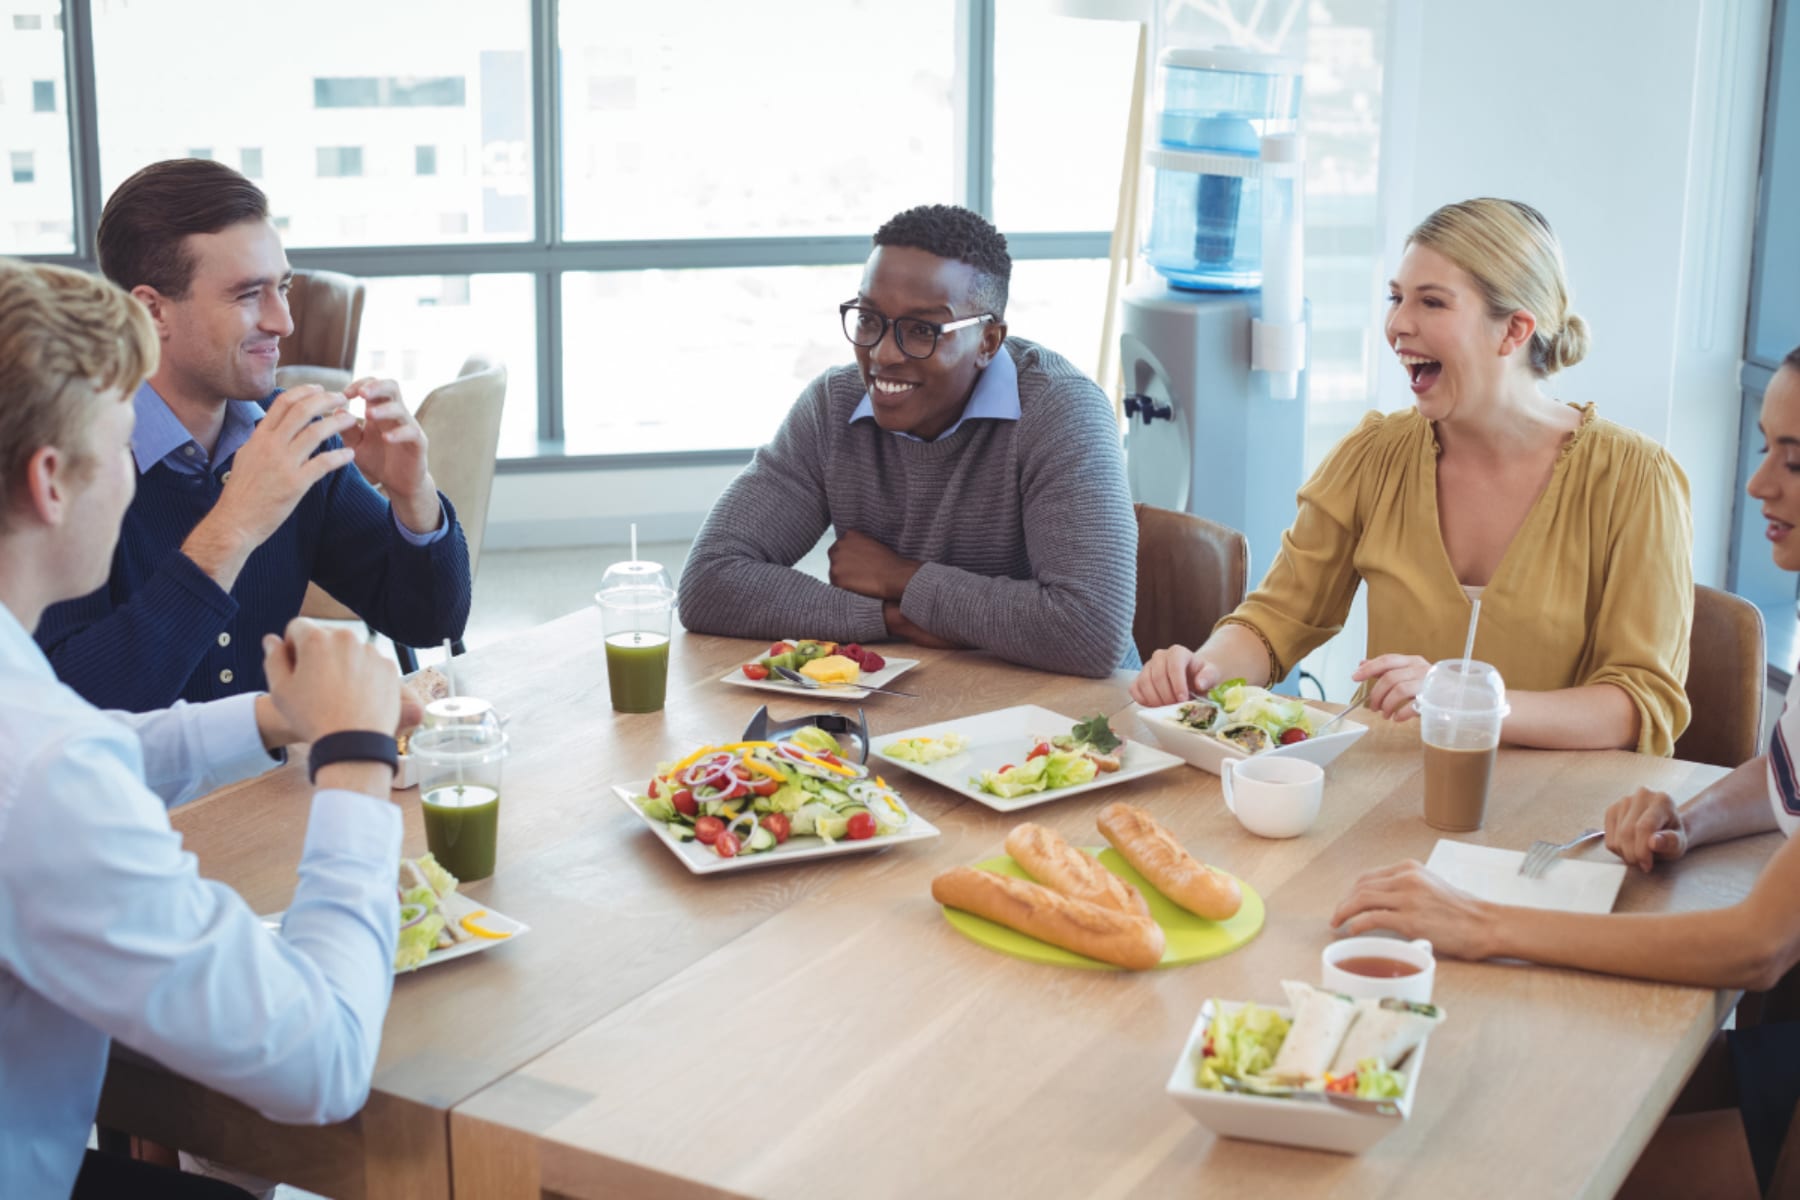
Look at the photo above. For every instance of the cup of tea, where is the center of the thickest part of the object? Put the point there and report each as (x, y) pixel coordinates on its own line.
(1460, 714)
(1378, 968)
(637, 602)
(1272, 797)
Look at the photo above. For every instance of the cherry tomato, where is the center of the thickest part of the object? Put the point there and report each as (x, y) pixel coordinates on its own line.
(740, 770)
(708, 829)
(738, 791)
(756, 671)
(779, 825)
(653, 789)
(1038, 751)
(1004, 770)
(826, 756)
(726, 845)
(764, 786)
(685, 804)
(1290, 736)
(780, 648)
(862, 825)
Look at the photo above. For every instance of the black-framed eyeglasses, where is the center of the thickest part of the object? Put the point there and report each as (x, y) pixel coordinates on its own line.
(917, 339)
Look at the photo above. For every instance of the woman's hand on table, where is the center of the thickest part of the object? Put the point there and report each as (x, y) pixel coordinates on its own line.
(1173, 674)
(1394, 682)
(1414, 903)
(1646, 827)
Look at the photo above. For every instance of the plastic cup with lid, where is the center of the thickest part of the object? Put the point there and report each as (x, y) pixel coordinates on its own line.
(1462, 707)
(637, 605)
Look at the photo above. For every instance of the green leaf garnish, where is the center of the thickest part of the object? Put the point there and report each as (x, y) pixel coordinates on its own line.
(1097, 733)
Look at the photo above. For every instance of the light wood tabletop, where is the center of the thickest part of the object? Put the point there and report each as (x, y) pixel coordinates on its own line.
(856, 1045)
(821, 1030)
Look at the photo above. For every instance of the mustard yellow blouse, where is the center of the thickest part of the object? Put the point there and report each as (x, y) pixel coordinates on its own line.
(1596, 587)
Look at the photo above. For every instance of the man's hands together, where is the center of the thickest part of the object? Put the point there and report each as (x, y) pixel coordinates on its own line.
(865, 566)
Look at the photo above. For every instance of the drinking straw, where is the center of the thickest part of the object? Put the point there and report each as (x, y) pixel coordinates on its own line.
(1468, 652)
(1469, 645)
(634, 541)
(451, 680)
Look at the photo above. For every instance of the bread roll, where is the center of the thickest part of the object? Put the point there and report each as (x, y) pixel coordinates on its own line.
(1170, 869)
(1062, 868)
(1031, 908)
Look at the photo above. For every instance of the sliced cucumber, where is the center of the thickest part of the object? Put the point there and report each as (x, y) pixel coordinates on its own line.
(760, 839)
(680, 832)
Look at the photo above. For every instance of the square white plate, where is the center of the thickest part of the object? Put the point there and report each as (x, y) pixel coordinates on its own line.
(1276, 1119)
(895, 668)
(1005, 736)
(1207, 752)
(455, 908)
(701, 860)
(1570, 885)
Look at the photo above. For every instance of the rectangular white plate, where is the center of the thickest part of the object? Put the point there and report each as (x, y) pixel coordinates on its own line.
(701, 860)
(1005, 736)
(882, 678)
(1570, 885)
(456, 908)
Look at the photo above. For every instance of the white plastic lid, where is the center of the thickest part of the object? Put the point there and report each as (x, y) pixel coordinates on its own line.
(1227, 58)
(1481, 692)
(635, 576)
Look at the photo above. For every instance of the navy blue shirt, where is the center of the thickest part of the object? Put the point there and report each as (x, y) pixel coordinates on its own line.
(160, 629)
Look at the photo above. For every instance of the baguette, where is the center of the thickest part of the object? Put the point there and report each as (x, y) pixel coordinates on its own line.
(1062, 868)
(1135, 943)
(1159, 858)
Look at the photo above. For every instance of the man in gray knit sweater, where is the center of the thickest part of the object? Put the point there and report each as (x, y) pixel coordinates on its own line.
(975, 481)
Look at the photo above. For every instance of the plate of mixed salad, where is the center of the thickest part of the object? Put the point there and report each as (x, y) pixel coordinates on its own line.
(748, 804)
(437, 922)
(846, 670)
(1238, 719)
(1324, 1071)
(1014, 758)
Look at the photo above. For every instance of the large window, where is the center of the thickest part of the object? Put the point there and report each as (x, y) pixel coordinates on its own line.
(649, 211)
(37, 199)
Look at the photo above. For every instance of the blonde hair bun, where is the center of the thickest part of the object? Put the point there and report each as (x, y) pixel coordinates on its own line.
(1568, 347)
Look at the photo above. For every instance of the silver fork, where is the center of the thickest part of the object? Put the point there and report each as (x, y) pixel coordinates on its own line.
(813, 685)
(1542, 854)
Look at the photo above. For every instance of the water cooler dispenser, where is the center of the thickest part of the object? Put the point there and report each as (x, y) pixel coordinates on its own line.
(1214, 352)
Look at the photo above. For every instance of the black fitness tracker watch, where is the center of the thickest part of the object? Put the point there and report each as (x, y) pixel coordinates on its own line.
(353, 745)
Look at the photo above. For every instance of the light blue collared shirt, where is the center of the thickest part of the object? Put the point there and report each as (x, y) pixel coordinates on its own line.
(107, 930)
(995, 398)
(160, 437)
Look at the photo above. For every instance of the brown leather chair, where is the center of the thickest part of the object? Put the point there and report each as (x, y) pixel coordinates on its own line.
(1725, 680)
(1191, 572)
(327, 308)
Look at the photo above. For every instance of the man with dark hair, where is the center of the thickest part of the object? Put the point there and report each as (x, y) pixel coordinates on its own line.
(243, 498)
(975, 481)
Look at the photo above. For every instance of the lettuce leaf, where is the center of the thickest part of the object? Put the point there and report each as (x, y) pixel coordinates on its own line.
(1244, 1043)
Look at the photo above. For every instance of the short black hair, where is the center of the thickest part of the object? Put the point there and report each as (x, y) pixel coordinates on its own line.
(952, 232)
(1792, 359)
(144, 227)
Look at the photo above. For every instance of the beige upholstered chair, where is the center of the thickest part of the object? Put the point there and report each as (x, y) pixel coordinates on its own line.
(1191, 572)
(327, 309)
(461, 420)
(1725, 680)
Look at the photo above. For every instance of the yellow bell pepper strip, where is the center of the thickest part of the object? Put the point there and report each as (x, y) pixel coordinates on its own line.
(482, 931)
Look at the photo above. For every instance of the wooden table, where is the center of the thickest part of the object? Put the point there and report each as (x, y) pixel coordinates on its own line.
(820, 1030)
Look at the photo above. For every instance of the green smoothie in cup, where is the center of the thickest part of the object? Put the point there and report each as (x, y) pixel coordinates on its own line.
(462, 827)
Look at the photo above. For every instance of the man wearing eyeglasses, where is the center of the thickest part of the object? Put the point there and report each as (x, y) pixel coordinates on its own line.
(975, 481)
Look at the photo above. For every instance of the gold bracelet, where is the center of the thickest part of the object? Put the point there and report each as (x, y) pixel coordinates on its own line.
(1276, 674)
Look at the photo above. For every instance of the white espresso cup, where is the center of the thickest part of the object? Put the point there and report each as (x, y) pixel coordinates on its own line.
(1372, 951)
(1273, 797)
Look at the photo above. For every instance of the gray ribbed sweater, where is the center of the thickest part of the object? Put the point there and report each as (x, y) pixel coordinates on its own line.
(1025, 528)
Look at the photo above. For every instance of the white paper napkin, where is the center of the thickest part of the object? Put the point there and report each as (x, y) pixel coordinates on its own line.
(1570, 885)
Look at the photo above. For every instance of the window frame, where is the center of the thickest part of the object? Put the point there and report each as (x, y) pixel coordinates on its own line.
(546, 255)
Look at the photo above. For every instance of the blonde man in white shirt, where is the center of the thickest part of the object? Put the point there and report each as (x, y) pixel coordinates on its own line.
(106, 929)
